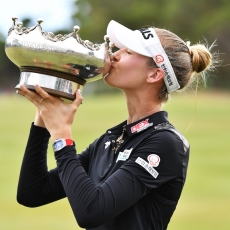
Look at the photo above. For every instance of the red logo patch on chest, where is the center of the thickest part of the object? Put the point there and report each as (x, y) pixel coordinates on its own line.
(141, 126)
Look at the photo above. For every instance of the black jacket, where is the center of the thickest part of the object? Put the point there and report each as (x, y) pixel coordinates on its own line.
(137, 187)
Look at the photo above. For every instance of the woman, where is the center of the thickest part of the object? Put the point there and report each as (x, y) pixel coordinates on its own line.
(132, 176)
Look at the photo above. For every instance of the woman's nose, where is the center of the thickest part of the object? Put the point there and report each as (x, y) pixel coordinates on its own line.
(116, 56)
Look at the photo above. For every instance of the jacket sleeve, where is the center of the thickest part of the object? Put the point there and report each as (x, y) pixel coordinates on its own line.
(37, 186)
(94, 205)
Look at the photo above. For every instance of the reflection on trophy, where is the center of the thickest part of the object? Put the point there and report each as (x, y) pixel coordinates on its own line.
(60, 64)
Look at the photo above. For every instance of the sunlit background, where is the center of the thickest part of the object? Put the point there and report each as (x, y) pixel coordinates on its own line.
(57, 14)
(205, 201)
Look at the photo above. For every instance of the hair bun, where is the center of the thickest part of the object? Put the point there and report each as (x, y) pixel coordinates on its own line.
(201, 57)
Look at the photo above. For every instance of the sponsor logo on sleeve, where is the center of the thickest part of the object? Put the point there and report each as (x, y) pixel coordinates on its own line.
(123, 156)
(154, 160)
(147, 167)
(141, 126)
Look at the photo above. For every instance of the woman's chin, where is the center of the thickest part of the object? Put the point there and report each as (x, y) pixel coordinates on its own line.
(108, 81)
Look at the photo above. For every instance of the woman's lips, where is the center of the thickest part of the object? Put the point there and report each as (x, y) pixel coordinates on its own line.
(111, 68)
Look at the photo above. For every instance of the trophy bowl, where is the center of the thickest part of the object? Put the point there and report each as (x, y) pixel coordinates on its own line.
(60, 64)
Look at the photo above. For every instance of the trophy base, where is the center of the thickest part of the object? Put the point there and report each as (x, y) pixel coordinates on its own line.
(59, 87)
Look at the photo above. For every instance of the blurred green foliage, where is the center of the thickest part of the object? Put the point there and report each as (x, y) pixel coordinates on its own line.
(189, 19)
(196, 21)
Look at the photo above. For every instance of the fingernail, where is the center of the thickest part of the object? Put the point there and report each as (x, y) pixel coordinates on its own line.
(18, 92)
(79, 91)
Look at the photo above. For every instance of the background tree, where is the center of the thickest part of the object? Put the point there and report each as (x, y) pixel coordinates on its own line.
(191, 20)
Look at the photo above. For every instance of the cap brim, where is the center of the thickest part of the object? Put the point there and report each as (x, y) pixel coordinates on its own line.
(122, 37)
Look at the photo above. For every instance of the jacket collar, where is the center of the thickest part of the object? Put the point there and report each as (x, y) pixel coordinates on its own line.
(141, 125)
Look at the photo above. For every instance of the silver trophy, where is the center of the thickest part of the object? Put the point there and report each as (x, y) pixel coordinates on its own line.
(60, 64)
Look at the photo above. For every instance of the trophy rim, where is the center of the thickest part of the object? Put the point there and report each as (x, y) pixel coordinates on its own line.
(60, 94)
(55, 86)
(54, 73)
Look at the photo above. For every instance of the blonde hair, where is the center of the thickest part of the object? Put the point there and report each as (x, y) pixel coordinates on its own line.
(188, 62)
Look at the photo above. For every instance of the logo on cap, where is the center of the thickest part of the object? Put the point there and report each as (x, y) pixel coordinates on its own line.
(146, 33)
(167, 75)
(159, 58)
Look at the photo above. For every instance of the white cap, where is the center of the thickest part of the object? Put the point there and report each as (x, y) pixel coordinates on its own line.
(147, 43)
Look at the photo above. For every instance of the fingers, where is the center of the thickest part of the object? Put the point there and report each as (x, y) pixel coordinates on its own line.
(41, 98)
(46, 97)
(35, 98)
(41, 92)
(78, 101)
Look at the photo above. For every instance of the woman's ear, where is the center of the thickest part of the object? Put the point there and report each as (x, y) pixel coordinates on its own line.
(155, 75)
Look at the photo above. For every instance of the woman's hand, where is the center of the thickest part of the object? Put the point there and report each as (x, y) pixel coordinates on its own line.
(57, 115)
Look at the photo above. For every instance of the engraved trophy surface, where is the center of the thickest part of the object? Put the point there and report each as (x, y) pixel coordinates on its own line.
(60, 64)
